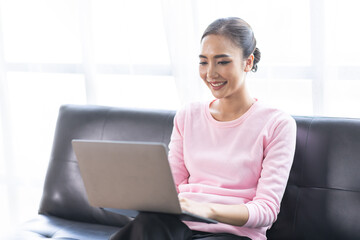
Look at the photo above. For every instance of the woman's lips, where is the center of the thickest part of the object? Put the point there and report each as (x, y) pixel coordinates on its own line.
(217, 85)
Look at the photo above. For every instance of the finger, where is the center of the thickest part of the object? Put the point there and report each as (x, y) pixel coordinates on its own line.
(184, 206)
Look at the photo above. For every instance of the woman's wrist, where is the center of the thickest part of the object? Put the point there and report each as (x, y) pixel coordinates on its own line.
(236, 215)
(212, 212)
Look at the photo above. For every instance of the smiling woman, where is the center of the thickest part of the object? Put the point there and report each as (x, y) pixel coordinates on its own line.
(223, 69)
(228, 53)
(230, 157)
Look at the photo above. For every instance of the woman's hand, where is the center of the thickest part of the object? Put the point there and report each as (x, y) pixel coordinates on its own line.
(201, 209)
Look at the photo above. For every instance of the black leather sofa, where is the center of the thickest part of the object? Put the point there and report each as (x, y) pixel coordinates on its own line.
(322, 199)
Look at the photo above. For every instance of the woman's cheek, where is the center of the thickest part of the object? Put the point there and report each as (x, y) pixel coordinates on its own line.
(202, 73)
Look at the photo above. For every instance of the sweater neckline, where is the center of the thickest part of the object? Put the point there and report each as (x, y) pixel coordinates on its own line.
(231, 123)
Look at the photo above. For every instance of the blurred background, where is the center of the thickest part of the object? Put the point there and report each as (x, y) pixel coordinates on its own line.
(143, 54)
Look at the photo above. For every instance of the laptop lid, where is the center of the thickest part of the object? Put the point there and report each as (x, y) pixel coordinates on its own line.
(127, 175)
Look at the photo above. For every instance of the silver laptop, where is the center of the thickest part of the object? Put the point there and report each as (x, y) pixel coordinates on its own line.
(129, 177)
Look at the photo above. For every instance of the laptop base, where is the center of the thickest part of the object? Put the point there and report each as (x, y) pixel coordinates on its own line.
(185, 216)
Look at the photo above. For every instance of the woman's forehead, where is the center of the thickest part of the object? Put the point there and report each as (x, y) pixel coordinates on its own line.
(217, 44)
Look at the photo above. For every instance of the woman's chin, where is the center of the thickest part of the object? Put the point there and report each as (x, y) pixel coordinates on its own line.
(217, 94)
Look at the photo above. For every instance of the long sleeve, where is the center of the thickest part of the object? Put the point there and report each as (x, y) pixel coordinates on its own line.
(244, 161)
(176, 155)
(279, 150)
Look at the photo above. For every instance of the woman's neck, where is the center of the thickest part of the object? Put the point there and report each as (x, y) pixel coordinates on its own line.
(227, 109)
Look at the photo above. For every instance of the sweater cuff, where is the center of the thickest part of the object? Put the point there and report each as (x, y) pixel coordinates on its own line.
(252, 218)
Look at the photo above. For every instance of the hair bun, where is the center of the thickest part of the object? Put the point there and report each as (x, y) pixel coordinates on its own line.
(257, 56)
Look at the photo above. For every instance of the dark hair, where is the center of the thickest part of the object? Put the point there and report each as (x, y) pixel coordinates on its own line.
(239, 32)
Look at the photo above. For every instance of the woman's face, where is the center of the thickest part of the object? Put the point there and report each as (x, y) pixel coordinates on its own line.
(222, 66)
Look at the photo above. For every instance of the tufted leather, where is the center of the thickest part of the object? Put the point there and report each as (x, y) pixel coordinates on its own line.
(322, 199)
(64, 194)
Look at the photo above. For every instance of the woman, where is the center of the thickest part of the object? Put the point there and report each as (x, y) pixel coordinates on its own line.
(230, 157)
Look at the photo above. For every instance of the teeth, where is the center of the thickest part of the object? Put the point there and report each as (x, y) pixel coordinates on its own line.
(217, 84)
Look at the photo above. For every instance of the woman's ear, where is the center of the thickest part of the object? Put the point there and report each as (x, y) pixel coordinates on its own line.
(249, 63)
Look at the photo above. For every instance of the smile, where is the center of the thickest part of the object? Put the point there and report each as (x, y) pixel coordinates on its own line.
(217, 85)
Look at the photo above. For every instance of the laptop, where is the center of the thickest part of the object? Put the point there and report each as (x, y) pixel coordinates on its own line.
(129, 177)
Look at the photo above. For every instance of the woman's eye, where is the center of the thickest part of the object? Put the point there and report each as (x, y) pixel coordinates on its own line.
(203, 63)
(223, 62)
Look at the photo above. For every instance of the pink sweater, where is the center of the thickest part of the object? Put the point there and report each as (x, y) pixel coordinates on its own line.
(246, 160)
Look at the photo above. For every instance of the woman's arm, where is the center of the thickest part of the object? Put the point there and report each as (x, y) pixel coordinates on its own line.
(262, 210)
(236, 215)
(279, 148)
(176, 155)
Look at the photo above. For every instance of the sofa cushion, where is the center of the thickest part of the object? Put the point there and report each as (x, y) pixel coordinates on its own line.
(56, 228)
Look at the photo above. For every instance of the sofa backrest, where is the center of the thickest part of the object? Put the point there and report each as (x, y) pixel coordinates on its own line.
(322, 198)
(64, 193)
(321, 201)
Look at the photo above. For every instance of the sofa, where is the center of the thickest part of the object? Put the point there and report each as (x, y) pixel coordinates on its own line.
(321, 201)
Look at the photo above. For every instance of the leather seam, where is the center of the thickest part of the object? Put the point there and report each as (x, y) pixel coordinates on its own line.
(301, 176)
(306, 149)
(329, 188)
(166, 121)
(105, 122)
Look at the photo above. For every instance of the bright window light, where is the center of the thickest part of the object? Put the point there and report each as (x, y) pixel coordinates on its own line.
(122, 37)
(41, 31)
(35, 99)
(157, 92)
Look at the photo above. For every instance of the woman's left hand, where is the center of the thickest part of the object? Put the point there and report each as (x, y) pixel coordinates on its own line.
(201, 209)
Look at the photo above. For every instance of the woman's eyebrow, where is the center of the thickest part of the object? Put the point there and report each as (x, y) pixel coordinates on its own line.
(216, 56)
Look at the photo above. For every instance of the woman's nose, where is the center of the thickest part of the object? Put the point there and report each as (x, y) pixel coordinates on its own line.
(211, 72)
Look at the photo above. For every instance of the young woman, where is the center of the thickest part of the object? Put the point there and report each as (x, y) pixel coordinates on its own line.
(230, 157)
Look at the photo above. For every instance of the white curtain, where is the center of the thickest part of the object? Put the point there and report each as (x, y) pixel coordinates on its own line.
(310, 51)
(144, 53)
(181, 28)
